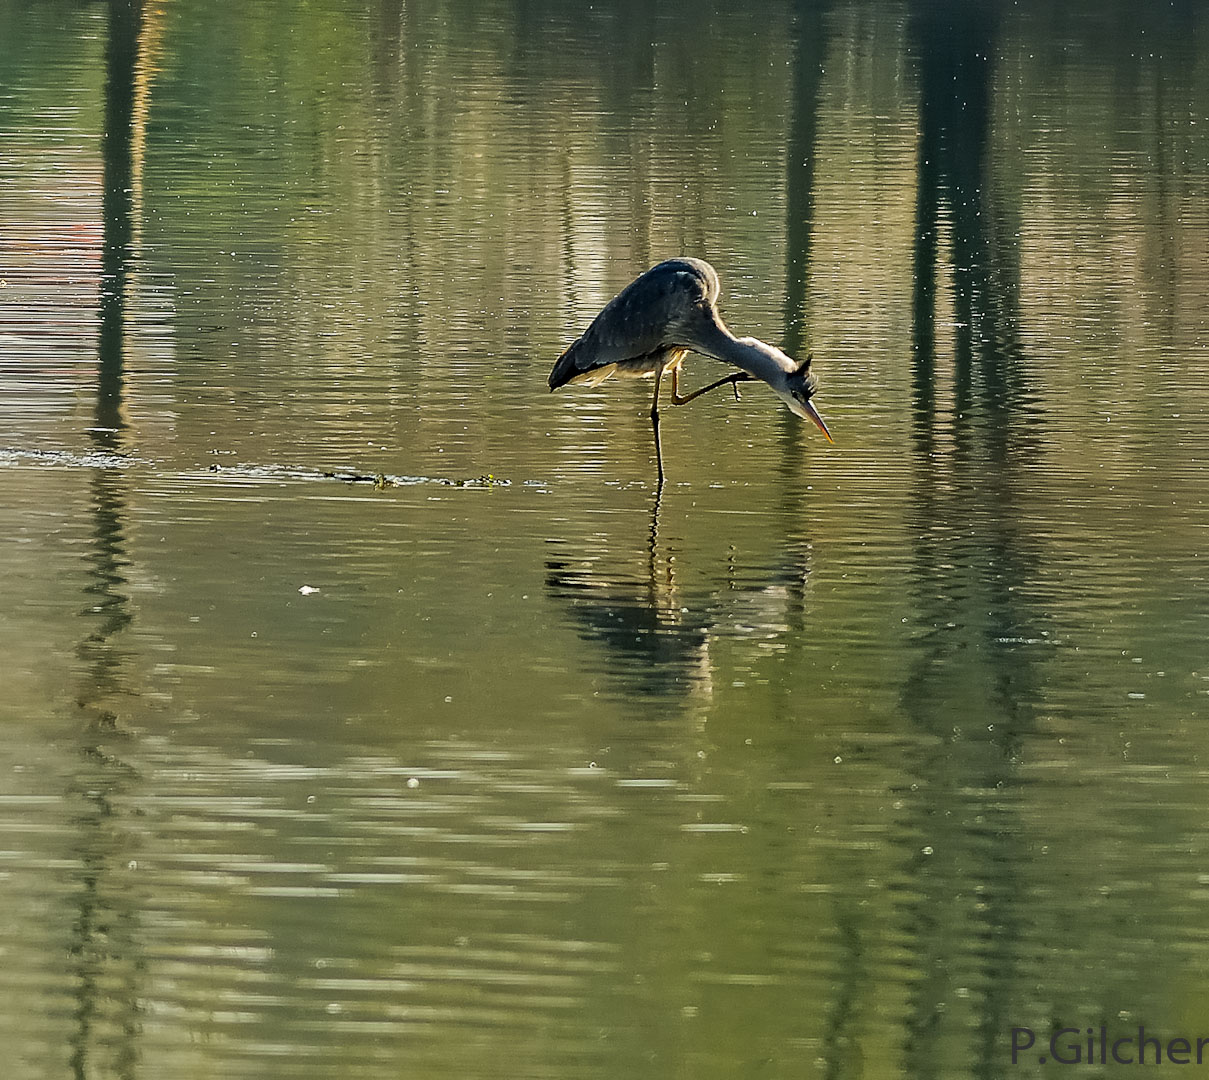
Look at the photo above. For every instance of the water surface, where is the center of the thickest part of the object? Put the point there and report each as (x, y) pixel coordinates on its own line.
(820, 761)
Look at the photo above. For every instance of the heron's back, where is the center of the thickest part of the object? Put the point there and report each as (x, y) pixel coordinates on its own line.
(643, 327)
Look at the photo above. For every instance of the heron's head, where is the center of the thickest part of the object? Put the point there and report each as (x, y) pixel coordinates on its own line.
(796, 389)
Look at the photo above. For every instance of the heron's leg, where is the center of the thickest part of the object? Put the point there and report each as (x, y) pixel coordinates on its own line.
(734, 380)
(655, 424)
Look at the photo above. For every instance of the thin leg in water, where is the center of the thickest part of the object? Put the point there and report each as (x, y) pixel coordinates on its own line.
(655, 425)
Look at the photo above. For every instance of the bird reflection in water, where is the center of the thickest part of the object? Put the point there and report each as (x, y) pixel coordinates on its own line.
(655, 634)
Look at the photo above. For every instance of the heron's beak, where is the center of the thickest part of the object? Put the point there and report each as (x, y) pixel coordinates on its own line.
(807, 411)
(819, 422)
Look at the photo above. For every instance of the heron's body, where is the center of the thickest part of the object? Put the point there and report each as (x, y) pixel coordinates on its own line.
(646, 328)
(649, 327)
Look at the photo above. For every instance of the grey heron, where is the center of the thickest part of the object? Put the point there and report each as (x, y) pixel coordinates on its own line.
(649, 327)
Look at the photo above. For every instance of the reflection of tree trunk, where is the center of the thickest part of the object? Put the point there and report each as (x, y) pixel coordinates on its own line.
(107, 599)
(840, 1049)
(106, 959)
(810, 45)
(971, 562)
(810, 48)
(107, 603)
(104, 941)
(923, 296)
(809, 53)
(121, 62)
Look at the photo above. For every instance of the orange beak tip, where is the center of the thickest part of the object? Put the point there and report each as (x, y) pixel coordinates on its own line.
(819, 422)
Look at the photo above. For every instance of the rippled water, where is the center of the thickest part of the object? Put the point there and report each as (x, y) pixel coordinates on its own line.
(370, 711)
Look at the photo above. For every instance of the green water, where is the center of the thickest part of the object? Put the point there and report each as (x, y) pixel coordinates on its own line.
(821, 761)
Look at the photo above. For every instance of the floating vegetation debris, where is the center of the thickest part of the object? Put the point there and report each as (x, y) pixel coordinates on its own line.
(65, 459)
(97, 459)
(381, 481)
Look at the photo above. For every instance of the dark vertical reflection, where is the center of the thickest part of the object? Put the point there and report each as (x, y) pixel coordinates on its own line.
(840, 1047)
(121, 65)
(103, 944)
(104, 950)
(1174, 29)
(809, 51)
(972, 561)
(107, 611)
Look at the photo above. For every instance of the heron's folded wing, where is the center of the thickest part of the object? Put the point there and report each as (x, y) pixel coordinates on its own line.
(640, 321)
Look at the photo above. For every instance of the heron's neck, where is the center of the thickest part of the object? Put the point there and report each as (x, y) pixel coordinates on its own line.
(752, 356)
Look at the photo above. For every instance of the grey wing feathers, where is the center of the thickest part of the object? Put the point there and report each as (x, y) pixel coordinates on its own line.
(640, 321)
